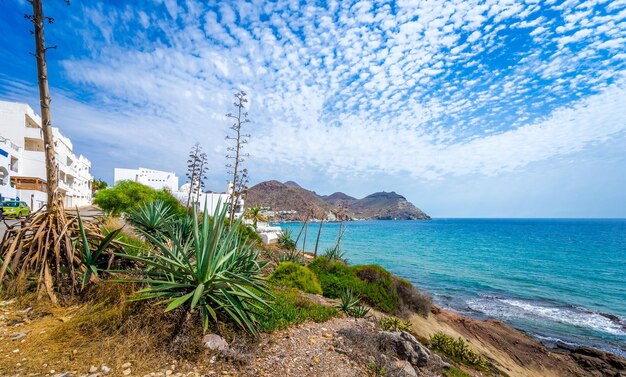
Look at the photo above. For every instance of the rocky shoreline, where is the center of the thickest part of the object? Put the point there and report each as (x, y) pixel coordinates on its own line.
(517, 353)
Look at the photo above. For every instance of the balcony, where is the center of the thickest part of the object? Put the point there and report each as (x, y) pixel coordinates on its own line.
(33, 133)
(29, 183)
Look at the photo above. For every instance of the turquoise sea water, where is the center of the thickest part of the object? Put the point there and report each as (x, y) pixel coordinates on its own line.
(559, 280)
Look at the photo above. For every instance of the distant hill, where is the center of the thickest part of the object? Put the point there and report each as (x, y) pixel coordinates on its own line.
(385, 206)
(337, 198)
(290, 196)
(286, 197)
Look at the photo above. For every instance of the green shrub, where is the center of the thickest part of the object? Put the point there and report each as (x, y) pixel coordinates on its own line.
(292, 255)
(289, 274)
(212, 271)
(376, 286)
(457, 350)
(128, 195)
(394, 324)
(131, 245)
(335, 277)
(248, 233)
(289, 308)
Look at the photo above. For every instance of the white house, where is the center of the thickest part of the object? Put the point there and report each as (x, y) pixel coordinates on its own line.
(22, 160)
(152, 178)
(210, 199)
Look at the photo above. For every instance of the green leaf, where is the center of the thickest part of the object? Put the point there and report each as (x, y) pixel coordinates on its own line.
(178, 302)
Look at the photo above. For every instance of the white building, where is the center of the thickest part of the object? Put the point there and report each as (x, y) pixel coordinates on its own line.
(22, 160)
(149, 177)
(210, 199)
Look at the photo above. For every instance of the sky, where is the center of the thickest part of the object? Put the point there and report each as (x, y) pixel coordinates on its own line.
(467, 108)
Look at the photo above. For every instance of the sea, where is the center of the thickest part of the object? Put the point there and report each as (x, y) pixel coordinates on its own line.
(559, 280)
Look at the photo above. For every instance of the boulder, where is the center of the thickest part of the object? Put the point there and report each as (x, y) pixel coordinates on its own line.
(404, 369)
(408, 348)
(214, 342)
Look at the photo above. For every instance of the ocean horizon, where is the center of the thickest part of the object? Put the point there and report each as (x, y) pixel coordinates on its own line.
(557, 279)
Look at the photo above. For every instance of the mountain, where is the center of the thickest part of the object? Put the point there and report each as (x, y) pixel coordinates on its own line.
(287, 196)
(337, 198)
(290, 196)
(292, 184)
(385, 206)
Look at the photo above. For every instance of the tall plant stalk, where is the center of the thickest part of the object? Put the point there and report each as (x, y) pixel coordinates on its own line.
(238, 157)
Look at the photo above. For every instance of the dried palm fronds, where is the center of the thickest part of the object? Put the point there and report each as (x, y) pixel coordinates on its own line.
(44, 245)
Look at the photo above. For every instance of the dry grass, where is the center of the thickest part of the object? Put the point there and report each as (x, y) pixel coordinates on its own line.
(104, 329)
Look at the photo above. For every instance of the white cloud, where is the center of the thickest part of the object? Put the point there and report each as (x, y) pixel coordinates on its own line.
(357, 87)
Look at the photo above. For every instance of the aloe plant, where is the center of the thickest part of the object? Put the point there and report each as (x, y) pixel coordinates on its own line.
(90, 259)
(212, 270)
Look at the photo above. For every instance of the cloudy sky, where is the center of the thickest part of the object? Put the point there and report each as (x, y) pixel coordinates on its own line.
(468, 108)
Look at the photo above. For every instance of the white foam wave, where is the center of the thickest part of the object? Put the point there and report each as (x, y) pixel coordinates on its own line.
(513, 308)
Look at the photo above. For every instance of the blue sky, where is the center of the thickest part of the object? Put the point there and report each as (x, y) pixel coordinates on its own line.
(468, 108)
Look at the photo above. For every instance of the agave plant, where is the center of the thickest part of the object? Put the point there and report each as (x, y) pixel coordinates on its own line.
(285, 240)
(348, 300)
(335, 254)
(151, 218)
(349, 304)
(91, 259)
(291, 256)
(213, 270)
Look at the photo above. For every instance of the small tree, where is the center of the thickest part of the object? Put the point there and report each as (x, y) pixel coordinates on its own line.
(98, 184)
(255, 215)
(43, 245)
(236, 155)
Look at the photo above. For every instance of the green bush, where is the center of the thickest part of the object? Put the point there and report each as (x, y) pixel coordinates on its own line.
(457, 350)
(248, 233)
(290, 308)
(128, 195)
(376, 286)
(289, 274)
(394, 324)
(336, 277)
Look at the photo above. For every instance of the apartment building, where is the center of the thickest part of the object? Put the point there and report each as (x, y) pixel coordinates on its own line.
(156, 179)
(22, 160)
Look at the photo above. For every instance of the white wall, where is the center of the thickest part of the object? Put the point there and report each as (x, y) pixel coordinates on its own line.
(210, 199)
(156, 179)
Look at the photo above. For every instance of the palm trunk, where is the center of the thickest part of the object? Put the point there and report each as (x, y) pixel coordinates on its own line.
(44, 101)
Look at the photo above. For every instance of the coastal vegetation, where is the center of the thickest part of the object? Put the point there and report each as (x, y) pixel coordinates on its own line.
(128, 195)
(289, 308)
(457, 350)
(375, 285)
(290, 274)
